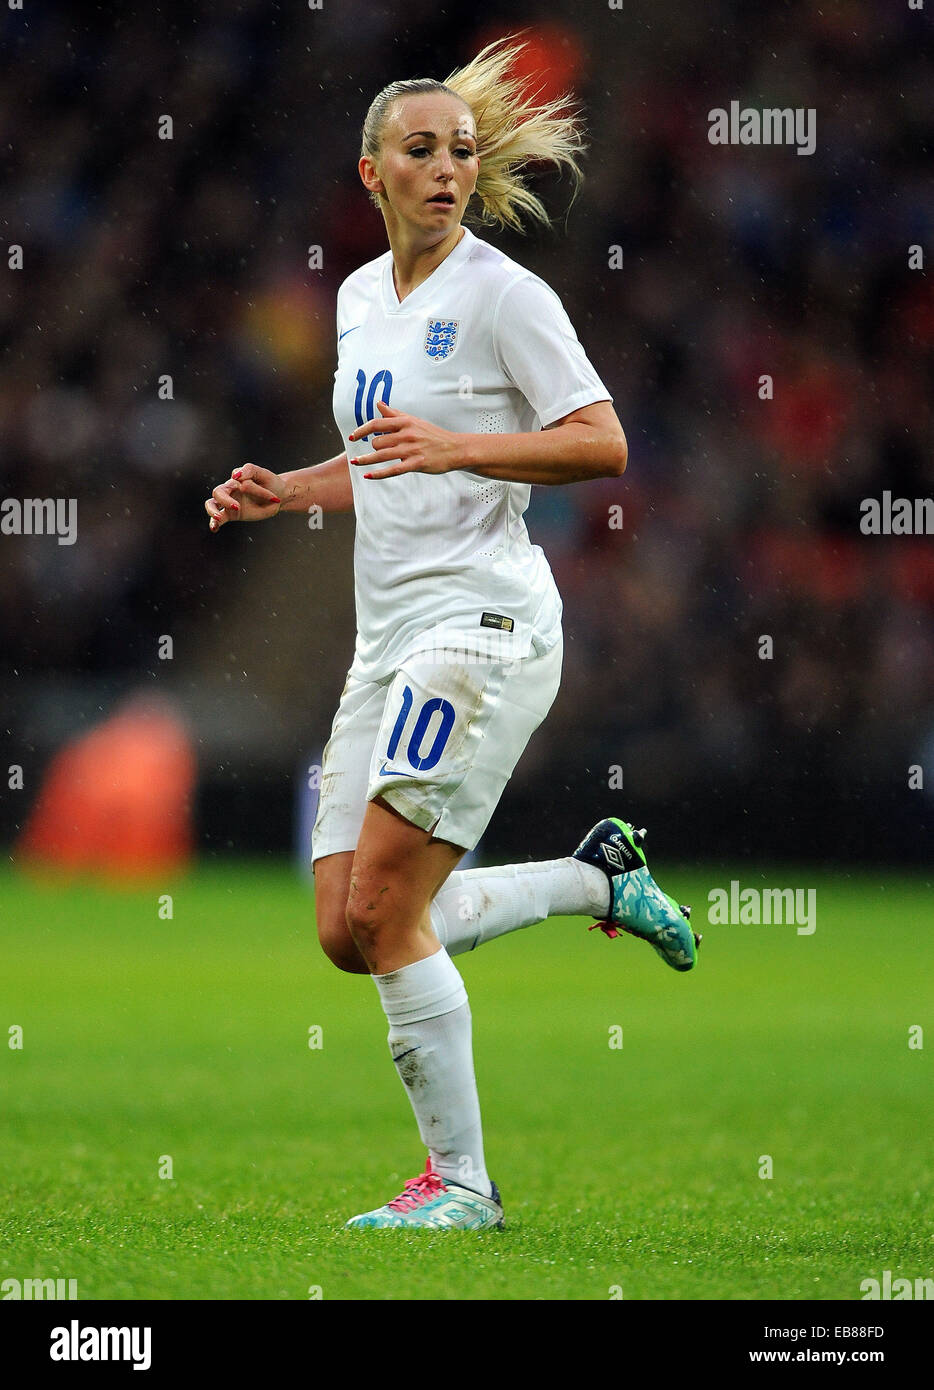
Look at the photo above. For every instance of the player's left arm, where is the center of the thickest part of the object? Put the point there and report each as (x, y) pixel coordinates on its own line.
(587, 443)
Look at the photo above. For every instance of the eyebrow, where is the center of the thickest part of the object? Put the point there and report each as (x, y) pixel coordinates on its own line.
(461, 135)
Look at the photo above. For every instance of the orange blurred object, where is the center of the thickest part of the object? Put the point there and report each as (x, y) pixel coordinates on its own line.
(287, 325)
(116, 802)
(549, 65)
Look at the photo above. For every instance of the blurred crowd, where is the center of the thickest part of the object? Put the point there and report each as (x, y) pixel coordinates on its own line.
(187, 258)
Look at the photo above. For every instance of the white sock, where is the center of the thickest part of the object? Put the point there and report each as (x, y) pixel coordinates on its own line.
(430, 1042)
(476, 905)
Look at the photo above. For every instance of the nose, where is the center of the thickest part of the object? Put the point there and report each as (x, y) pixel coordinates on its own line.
(446, 163)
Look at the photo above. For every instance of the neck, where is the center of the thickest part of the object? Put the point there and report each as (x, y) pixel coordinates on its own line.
(413, 259)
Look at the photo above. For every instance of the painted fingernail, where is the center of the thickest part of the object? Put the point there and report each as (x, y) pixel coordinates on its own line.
(368, 475)
(236, 473)
(236, 506)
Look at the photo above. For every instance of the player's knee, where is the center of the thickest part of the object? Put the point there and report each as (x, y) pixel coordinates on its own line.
(338, 945)
(365, 929)
(368, 917)
(345, 956)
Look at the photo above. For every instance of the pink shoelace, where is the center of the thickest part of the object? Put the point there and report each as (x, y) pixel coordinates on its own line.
(609, 929)
(418, 1191)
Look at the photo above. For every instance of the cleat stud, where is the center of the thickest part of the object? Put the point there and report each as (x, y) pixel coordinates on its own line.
(685, 910)
(698, 938)
(638, 836)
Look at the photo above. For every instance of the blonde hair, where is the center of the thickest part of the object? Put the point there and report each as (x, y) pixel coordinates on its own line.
(512, 132)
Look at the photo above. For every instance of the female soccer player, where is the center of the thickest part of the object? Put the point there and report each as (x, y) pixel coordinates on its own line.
(460, 382)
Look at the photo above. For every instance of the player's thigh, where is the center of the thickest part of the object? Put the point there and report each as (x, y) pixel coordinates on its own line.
(341, 808)
(397, 869)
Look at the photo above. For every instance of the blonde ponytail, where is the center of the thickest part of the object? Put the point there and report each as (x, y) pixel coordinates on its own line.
(512, 131)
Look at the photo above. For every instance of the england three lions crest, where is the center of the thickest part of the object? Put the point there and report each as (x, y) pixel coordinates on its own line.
(441, 337)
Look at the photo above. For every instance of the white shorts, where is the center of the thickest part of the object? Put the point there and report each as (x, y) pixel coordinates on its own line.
(438, 742)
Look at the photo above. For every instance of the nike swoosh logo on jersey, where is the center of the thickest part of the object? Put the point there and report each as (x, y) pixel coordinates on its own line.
(393, 773)
(349, 330)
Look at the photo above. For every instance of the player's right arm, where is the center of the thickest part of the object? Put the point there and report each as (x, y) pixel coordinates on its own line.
(252, 493)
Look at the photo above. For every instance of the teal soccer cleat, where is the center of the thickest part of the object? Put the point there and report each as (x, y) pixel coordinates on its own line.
(430, 1202)
(637, 904)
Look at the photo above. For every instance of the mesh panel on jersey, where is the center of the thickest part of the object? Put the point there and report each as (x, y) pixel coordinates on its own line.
(487, 492)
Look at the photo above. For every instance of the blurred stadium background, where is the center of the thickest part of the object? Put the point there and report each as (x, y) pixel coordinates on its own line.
(146, 257)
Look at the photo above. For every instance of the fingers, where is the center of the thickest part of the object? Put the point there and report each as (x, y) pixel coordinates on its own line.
(380, 424)
(217, 514)
(226, 494)
(222, 505)
(395, 446)
(374, 427)
(248, 487)
(368, 459)
(394, 472)
(392, 441)
(257, 488)
(262, 494)
(250, 472)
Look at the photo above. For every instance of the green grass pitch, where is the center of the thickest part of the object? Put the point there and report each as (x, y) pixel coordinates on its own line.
(628, 1171)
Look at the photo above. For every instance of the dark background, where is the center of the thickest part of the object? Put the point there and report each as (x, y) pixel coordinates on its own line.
(189, 257)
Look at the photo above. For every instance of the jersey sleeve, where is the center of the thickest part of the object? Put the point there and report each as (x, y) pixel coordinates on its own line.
(540, 353)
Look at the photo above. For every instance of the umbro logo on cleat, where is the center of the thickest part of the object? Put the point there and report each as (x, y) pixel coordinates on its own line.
(620, 855)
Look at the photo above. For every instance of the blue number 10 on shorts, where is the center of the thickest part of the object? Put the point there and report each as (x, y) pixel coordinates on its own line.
(438, 742)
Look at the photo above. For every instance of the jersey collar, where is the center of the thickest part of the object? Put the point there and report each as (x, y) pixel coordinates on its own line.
(437, 277)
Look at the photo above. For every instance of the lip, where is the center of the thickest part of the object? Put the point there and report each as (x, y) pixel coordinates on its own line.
(436, 202)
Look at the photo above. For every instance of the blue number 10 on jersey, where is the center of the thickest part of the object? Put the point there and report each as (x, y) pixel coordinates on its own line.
(384, 379)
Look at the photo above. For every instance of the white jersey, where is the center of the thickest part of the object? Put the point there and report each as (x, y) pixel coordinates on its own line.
(444, 560)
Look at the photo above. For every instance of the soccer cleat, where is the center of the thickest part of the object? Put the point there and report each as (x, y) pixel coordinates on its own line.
(430, 1202)
(637, 904)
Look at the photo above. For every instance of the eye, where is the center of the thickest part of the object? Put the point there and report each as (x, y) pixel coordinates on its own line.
(422, 149)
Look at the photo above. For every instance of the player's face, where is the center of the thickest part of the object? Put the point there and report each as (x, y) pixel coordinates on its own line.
(429, 146)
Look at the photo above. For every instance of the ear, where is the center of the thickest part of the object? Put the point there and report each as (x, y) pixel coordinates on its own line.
(371, 179)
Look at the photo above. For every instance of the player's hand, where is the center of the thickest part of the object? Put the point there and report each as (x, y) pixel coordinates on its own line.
(249, 494)
(404, 444)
